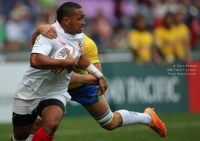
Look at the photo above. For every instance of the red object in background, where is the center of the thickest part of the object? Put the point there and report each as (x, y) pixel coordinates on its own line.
(158, 22)
(194, 31)
(194, 87)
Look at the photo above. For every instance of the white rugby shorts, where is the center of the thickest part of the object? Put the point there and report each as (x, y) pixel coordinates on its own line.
(26, 100)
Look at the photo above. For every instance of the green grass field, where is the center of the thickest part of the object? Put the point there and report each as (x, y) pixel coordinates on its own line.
(180, 126)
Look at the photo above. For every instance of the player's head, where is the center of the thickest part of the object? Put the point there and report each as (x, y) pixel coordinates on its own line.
(168, 20)
(178, 17)
(71, 16)
(140, 22)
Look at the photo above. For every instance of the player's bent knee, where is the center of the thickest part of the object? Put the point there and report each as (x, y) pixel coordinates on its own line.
(21, 135)
(106, 120)
(52, 126)
(37, 124)
(22, 132)
(111, 126)
(21, 138)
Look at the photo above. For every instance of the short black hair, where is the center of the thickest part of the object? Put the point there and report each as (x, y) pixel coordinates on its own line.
(168, 14)
(66, 9)
(136, 18)
(139, 16)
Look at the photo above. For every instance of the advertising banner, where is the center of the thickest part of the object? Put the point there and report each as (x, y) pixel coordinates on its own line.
(130, 86)
(194, 86)
(135, 87)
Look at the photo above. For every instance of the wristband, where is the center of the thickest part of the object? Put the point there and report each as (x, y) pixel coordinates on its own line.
(93, 70)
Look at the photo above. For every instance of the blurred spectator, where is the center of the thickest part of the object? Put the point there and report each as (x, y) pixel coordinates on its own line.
(140, 41)
(18, 28)
(119, 12)
(108, 22)
(48, 2)
(159, 11)
(124, 10)
(165, 39)
(182, 47)
(194, 27)
(184, 7)
(145, 7)
(14, 34)
(101, 31)
(119, 41)
(47, 16)
(194, 24)
(2, 32)
(197, 6)
(162, 8)
(35, 9)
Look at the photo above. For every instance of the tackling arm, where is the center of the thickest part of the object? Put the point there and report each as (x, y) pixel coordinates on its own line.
(46, 30)
(88, 79)
(34, 36)
(85, 64)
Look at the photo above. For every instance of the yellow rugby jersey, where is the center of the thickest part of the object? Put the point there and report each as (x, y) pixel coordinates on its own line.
(165, 40)
(141, 41)
(182, 39)
(91, 53)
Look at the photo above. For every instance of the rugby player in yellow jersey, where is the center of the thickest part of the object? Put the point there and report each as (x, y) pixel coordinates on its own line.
(165, 39)
(182, 46)
(96, 104)
(141, 41)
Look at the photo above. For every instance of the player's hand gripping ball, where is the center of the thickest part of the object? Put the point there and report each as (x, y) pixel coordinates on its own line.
(62, 54)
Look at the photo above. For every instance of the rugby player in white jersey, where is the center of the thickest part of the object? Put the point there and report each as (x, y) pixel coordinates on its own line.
(43, 92)
(98, 107)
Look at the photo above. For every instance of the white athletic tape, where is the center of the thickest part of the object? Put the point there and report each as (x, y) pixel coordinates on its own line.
(93, 70)
(106, 118)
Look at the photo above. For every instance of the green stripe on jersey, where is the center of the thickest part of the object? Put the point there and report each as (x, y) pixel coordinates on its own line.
(96, 63)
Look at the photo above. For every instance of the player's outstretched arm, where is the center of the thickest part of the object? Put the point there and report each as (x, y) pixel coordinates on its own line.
(85, 64)
(88, 79)
(40, 61)
(46, 30)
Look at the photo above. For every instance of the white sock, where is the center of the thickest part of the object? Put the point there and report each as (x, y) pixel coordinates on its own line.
(30, 137)
(129, 118)
(16, 140)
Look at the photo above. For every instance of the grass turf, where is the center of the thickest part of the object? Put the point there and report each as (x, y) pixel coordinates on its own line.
(180, 126)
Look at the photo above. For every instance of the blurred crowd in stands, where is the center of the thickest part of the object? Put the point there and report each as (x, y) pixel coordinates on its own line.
(154, 30)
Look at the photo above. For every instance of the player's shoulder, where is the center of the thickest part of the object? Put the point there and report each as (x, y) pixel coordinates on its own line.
(40, 40)
(147, 33)
(88, 41)
(159, 29)
(86, 38)
(184, 27)
(54, 24)
(133, 34)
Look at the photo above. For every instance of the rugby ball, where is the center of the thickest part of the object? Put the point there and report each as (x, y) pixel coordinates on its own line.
(62, 54)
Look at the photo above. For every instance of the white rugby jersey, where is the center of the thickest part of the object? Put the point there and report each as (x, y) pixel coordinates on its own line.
(43, 81)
